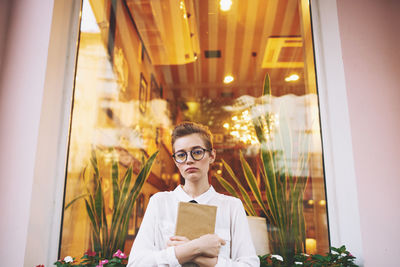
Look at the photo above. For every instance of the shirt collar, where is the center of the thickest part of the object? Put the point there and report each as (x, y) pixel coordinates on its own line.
(202, 199)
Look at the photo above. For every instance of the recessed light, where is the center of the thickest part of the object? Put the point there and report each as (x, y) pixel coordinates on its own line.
(292, 78)
(228, 79)
(225, 5)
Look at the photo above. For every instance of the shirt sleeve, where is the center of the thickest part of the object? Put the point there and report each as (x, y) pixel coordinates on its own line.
(243, 253)
(144, 252)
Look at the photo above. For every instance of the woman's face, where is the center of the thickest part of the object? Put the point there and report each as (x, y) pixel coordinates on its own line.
(193, 170)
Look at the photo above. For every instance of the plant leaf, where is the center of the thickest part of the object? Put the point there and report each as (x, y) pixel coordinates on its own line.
(243, 192)
(75, 199)
(252, 182)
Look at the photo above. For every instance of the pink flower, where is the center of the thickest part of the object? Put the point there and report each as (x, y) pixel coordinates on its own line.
(102, 262)
(119, 254)
(90, 253)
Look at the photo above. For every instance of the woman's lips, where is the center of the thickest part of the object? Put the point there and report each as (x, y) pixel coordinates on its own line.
(191, 170)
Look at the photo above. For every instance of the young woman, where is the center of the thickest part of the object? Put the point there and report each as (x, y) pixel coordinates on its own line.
(156, 244)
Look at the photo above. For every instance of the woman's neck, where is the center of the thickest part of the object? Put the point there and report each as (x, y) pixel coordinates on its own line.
(196, 189)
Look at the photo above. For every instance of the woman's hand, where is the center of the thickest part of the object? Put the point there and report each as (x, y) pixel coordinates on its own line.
(209, 245)
(177, 240)
(202, 261)
(206, 246)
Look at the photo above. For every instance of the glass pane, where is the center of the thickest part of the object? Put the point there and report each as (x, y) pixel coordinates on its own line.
(145, 65)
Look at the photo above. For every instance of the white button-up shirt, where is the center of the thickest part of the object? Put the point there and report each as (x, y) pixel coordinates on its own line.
(158, 225)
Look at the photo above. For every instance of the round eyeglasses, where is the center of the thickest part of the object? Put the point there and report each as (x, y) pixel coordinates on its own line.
(196, 153)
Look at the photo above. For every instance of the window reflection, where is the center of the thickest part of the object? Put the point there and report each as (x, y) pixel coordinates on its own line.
(144, 66)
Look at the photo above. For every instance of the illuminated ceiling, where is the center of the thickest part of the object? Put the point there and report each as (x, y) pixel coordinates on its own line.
(194, 45)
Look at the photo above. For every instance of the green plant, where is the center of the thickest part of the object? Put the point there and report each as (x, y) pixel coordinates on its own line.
(337, 257)
(108, 237)
(284, 189)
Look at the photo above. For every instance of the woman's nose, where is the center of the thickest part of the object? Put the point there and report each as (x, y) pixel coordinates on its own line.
(189, 158)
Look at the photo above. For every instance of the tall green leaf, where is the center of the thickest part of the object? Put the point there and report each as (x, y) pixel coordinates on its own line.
(114, 178)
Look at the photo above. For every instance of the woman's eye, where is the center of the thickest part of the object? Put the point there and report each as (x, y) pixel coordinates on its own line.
(180, 155)
(197, 152)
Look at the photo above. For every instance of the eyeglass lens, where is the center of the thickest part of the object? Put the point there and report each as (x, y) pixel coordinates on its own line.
(197, 154)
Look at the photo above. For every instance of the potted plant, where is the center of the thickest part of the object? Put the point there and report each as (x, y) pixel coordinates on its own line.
(282, 202)
(108, 236)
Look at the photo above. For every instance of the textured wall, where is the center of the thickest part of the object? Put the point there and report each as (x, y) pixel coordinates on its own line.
(370, 36)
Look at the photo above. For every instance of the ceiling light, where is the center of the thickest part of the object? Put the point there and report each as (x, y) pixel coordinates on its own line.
(292, 78)
(225, 5)
(228, 79)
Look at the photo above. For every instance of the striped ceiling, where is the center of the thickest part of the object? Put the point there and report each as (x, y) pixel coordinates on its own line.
(253, 37)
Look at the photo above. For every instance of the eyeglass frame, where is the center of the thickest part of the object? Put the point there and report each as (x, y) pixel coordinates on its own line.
(191, 154)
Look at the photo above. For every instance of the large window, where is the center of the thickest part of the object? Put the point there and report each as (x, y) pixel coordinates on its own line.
(144, 66)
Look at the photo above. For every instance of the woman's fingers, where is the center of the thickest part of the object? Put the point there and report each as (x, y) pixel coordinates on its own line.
(210, 244)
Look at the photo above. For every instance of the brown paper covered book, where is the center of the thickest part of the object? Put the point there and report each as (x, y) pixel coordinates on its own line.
(194, 220)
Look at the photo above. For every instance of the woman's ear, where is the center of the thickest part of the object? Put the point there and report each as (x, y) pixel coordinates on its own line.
(213, 154)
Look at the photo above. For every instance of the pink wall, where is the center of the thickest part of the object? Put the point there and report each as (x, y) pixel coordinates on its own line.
(370, 40)
(21, 91)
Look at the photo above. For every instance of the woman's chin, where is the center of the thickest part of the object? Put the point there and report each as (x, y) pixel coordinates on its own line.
(192, 177)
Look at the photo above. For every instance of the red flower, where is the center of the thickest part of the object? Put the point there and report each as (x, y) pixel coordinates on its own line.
(40, 265)
(90, 253)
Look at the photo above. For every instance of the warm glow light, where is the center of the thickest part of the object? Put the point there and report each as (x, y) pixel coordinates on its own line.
(176, 177)
(311, 245)
(228, 79)
(241, 127)
(322, 202)
(219, 171)
(225, 5)
(311, 202)
(235, 133)
(292, 78)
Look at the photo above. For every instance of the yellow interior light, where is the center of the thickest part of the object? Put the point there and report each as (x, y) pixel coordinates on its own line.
(292, 78)
(228, 79)
(225, 5)
(226, 125)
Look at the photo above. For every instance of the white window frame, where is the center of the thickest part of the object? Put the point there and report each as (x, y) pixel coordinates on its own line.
(341, 185)
(46, 204)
